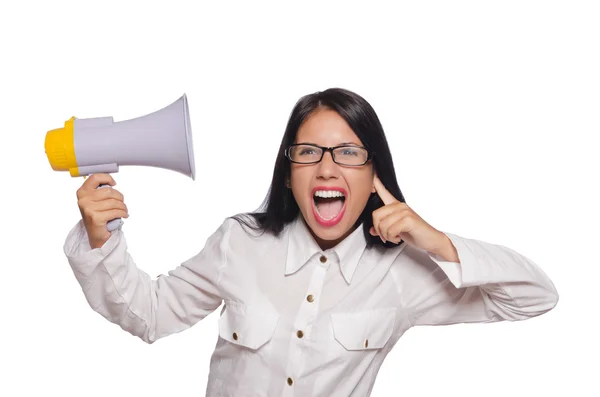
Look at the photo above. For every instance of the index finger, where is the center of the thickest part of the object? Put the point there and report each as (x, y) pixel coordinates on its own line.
(385, 195)
(95, 180)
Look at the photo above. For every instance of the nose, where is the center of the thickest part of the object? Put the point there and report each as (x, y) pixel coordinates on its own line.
(327, 168)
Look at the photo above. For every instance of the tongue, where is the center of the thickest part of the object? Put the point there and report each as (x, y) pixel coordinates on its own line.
(328, 209)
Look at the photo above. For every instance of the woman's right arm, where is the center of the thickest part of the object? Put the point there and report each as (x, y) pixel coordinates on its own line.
(124, 294)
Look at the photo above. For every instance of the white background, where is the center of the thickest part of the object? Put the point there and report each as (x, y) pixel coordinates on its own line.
(491, 110)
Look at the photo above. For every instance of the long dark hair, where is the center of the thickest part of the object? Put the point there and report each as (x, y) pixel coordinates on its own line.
(279, 206)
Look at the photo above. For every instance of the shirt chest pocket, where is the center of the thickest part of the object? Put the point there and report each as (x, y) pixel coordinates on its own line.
(250, 326)
(364, 330)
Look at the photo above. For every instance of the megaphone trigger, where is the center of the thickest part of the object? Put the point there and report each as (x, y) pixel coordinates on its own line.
(116, 223)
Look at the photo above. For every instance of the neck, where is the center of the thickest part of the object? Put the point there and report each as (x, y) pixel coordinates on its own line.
(328, 244)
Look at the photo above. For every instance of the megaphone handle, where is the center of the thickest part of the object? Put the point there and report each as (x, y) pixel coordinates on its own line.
(115, 223)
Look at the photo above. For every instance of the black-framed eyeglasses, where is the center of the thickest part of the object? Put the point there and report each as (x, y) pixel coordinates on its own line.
(349, 155)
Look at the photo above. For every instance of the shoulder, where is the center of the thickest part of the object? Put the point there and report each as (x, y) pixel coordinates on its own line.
(241, 238)
(245, 227)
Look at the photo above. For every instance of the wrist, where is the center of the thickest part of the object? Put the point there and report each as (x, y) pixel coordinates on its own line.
(446, 249)
(97, 243)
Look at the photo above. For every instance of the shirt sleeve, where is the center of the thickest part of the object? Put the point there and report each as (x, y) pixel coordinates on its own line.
(147, 308)
(491, 283)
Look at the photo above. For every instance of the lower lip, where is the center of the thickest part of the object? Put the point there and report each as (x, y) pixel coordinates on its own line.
(331, 222)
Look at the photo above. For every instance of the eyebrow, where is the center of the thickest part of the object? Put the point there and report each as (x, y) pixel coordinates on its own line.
(339, 144)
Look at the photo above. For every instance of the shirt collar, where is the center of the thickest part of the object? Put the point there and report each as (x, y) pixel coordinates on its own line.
(302, 247)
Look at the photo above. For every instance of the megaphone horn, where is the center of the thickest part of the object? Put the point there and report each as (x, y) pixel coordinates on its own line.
(161, 139)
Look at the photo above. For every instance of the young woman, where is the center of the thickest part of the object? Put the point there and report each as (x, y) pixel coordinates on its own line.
(321, 283)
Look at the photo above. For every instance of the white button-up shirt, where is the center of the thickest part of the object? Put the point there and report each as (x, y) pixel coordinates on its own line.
(300, 321)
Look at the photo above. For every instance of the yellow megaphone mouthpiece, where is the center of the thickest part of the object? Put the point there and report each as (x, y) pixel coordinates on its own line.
(60, 148)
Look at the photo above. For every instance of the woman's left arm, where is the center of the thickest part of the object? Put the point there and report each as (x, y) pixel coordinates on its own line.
(474, 281)
(452, 279)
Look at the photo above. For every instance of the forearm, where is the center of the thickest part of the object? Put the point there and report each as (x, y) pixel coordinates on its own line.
(112, 284)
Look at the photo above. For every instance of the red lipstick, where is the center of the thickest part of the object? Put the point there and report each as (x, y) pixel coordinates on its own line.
(335, 220)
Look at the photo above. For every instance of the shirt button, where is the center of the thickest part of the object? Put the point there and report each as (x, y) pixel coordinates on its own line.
(310, 298)
(366, 343)
(323, 259)
(290, 381)
(235, 336)
(299, 334)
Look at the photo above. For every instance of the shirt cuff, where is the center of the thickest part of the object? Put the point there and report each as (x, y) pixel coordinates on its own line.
(463, 274)
(80, 254)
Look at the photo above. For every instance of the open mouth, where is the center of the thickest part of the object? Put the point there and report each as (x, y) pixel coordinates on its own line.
(329, 205)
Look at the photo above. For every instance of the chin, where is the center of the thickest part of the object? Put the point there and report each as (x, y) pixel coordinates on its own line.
(328, 234)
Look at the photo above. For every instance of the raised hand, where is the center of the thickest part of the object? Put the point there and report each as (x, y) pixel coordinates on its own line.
(396, 221)
(99, 206)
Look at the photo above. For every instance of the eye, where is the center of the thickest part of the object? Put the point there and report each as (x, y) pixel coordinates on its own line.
(349, 152)
(306, 150)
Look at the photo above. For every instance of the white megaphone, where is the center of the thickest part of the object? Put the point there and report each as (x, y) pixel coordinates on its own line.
(162, 139)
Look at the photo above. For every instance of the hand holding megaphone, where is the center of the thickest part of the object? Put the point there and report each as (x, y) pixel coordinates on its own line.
(99, 207)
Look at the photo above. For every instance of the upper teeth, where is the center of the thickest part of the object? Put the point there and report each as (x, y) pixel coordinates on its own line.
(328, 193)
